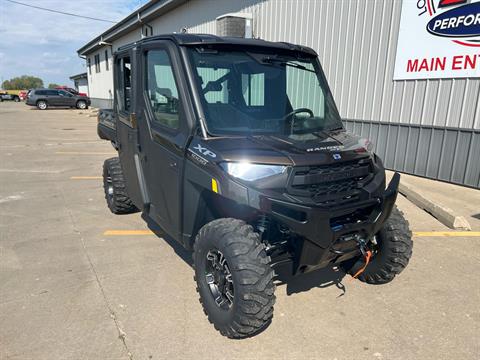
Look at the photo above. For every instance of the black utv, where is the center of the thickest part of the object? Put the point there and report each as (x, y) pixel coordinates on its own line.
(235, 148)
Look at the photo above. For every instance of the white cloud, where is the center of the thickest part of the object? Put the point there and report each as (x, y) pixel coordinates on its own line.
(44, 44)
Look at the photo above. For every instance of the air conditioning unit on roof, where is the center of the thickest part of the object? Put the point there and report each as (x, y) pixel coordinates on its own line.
(235, 25)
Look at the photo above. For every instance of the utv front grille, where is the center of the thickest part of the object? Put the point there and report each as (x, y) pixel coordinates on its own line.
(333, 184)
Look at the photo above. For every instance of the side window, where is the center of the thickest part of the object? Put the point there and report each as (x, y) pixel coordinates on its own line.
(106, 60)
(52, 92)
(97, 63)
(65, 93)
(124, 77)
(214, 84)
(161, 89)
(253, 89)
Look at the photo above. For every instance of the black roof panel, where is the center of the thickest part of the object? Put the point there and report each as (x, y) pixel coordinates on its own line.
(206, 39)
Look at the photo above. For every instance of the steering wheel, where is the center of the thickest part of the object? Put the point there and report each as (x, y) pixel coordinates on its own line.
(297, 111)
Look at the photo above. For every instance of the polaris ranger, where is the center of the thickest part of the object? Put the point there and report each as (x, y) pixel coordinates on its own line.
(236, 149)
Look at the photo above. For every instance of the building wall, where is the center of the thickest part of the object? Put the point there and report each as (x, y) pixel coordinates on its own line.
(82, 85)
(356, 41)
(101, 83)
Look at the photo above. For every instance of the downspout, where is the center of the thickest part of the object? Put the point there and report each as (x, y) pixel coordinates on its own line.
(146, 24)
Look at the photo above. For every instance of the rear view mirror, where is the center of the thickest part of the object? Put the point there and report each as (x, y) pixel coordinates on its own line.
(212, 86)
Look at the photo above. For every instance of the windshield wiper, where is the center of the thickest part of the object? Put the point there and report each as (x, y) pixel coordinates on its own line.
(269, 60)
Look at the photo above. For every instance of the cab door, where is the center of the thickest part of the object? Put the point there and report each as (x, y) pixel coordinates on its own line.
(164, 134)
(126, 126)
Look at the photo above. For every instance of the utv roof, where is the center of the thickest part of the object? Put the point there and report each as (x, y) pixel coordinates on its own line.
(206, 39)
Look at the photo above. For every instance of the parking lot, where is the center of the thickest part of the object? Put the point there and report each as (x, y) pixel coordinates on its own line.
(77, 282)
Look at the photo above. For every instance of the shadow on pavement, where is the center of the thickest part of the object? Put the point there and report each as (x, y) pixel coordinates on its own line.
(184, 254)
(321, 278)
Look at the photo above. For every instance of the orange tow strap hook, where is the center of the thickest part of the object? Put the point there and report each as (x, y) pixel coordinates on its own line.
(368, 256)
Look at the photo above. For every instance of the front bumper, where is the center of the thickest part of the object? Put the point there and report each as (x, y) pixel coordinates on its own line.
(331, 236)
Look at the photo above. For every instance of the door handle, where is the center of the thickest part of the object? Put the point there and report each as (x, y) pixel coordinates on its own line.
(173, 165)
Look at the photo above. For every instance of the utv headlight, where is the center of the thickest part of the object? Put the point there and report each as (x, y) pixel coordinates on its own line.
(251, 172)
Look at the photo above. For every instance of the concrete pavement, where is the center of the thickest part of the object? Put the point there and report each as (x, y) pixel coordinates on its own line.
(67, 291)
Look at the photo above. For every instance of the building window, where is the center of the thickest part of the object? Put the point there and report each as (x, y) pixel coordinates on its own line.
(89, 65)
(106, 60)
(97, 63)
(162, 89)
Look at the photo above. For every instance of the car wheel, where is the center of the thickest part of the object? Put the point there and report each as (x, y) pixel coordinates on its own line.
(42, 105)
(115, 188)
(234, 278)
(16, 99)
(82, 105)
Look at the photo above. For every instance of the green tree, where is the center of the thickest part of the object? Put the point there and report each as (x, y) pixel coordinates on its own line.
(22, 82)
(53, 86)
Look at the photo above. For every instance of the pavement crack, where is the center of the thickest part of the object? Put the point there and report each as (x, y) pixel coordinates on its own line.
(113, 316)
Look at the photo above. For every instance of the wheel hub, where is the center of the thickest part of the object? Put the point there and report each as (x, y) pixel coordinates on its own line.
(109, 187)
(219, 279)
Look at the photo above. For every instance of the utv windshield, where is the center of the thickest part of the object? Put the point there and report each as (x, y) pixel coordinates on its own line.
(252, 93)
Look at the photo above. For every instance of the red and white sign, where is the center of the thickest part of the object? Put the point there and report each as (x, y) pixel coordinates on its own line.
(438, 39)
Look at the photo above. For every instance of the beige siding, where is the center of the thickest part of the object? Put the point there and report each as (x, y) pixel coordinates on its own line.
(356, 41)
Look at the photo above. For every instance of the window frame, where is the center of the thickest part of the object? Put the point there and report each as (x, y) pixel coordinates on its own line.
(154, 124)
(119, 86)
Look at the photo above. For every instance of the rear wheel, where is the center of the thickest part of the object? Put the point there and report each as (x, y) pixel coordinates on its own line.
(16, 99)
(391, 252)
(234, 278)
(81, 104)
(42, 105)
(115, 188)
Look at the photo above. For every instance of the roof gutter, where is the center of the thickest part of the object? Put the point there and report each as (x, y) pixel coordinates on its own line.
(134, 20)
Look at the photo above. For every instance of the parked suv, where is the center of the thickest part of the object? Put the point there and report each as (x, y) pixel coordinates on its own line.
(43, 98)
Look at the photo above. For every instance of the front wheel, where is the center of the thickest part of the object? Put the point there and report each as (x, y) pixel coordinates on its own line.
(42, 105)
(16, 99)
(82, 105)
(234, 278)
(391, 249)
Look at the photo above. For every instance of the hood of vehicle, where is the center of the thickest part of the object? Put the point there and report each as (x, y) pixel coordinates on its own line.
(297, 150)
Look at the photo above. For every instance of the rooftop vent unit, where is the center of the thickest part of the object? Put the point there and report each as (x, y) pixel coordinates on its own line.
(235, 25)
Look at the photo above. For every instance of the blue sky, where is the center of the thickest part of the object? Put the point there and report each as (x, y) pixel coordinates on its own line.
(44, 44)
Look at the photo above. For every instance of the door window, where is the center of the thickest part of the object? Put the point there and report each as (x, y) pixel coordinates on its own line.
(161, 89)
(124, 84)
(65, 93)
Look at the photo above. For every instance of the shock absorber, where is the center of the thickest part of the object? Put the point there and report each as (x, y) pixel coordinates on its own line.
(262, 224)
